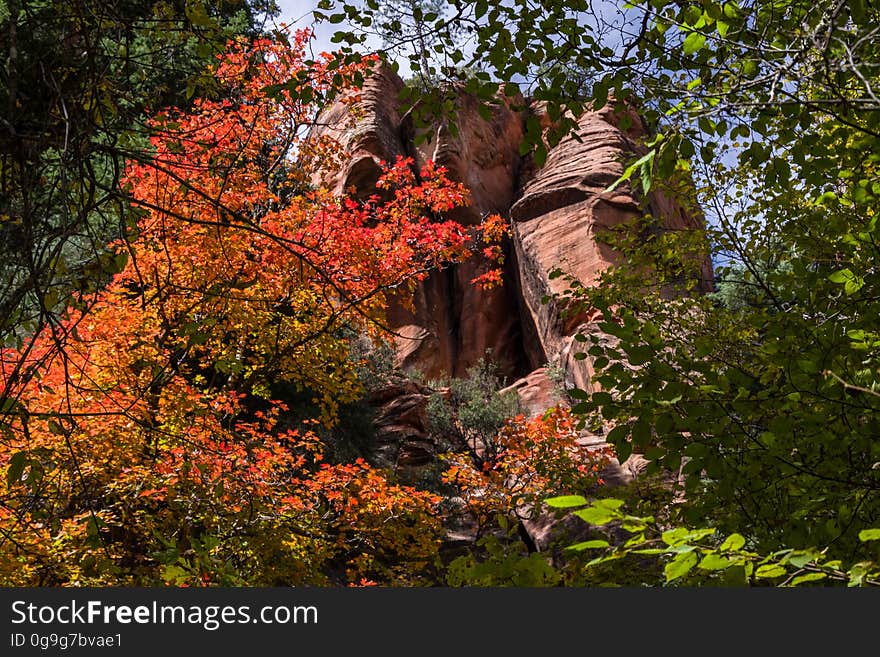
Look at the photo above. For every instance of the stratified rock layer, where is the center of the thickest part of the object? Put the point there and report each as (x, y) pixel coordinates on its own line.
(368, 131)
(555, 213)
(556, 222)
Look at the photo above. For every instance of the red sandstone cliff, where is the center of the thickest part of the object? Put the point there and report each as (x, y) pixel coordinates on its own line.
(555, 212)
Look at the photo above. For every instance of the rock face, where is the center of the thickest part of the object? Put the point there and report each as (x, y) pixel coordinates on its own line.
(555, 212)
(452, 323)
(402, 438)
(555, 223)
(374, 134)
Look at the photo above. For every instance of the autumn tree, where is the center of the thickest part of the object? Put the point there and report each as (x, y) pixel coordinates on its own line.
(524, 462)
(74, 82)
(501, 464)
(149, 443)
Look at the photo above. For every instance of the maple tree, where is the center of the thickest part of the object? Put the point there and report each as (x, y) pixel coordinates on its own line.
(147, 443)
(527, 460)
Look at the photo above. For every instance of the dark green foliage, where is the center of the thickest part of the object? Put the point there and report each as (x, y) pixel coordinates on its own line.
(470, 412)
(501, 563)
(416, 30)
(702, 556)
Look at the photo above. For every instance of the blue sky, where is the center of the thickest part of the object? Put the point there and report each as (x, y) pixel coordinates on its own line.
(298, 14)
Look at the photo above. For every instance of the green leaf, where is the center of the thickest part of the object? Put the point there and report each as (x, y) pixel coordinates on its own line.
(809, 577)
(198, 16)
(735, 576)
(640, 354)
(692, 15)
(633, 525)
(605, 559)
(16, 468)
(566, 501)
(853, 285)
(577, 393)
(693, 42)
(588, 545)
(641, 432)
(869, 535)
(174, 574)
(841, 276)
(630, 170)
(733, 543)
(714, 561)
(646, 178)
(11, 406)
(540, 154)
(800, 558)
(93, 531)
(596, 516)
(609, 503)
(681, 535)
(674, 536)
(619, 432)
(770, 570)
(680, 566)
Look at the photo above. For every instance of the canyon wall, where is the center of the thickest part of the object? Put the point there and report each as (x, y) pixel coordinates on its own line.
(555, 212)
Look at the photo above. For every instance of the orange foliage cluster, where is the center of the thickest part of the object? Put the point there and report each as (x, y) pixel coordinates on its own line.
(146, 446)
(529, 460)
(494, 229)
